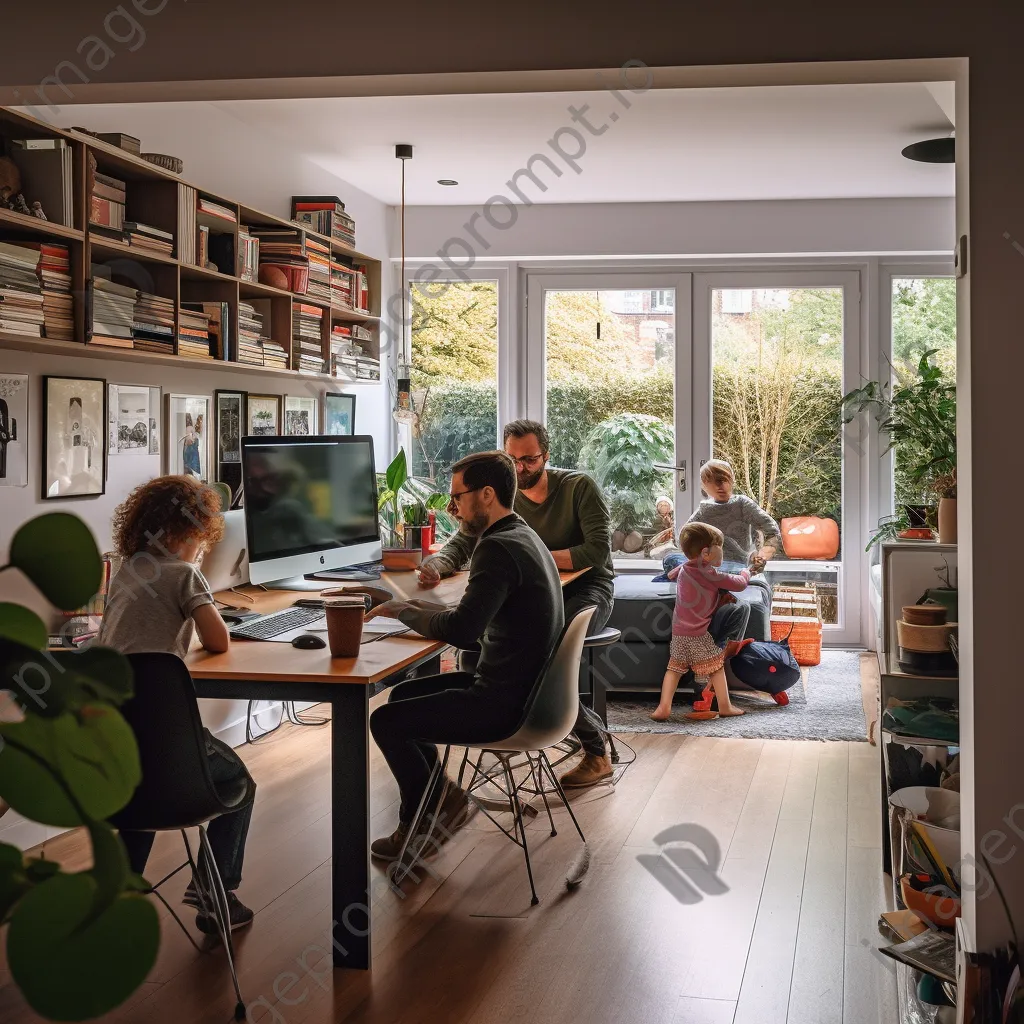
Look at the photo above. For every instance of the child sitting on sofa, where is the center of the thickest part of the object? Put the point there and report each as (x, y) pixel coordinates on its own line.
(698, 583)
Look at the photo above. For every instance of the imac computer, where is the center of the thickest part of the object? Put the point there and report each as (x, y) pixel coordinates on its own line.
(310, 505)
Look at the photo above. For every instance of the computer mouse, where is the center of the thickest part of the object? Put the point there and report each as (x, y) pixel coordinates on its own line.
(309, 642)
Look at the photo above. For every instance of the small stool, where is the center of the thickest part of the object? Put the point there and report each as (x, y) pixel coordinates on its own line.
(598, 690)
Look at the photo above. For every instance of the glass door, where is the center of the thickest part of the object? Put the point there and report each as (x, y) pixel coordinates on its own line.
(773, 356)
(608, 371)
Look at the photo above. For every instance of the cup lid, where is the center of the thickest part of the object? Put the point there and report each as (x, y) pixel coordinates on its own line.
(351, 601)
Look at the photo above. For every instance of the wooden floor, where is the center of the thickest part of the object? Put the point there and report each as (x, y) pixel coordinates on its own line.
(791, 940)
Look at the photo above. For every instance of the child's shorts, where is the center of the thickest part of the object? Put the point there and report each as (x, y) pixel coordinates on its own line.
(700, 654)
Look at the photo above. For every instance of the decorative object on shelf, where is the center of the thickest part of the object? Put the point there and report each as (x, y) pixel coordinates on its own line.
(339, 413)
(74, 418)
(173, 164)
(917, 415)
(133, 418)
(19, 205)
(37, 210)
(300, 415)
(230, 415)
(405, 502)
(10, 178)
(14, 430)
(188, 435)
(925, 614)
(129, 143)
(263, 415)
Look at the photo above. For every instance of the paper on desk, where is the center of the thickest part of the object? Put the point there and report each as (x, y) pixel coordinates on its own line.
(383, 624)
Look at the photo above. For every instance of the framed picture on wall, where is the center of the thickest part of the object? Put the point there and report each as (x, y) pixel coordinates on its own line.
(74, 443)
(133, 417)
(262, 415)
(339, 413)
(188, 436)
(13, 429)
(229, 415)
(301, 417)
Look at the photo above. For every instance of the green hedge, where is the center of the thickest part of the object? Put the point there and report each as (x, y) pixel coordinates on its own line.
(462, 417)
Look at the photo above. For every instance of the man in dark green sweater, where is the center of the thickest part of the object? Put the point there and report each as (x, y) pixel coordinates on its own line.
(569, 514)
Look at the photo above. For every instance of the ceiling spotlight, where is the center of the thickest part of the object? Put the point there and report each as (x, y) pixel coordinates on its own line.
(447, 181)
(932, 151)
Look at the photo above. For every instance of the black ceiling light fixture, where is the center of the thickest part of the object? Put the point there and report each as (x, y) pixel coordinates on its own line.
(932, 151)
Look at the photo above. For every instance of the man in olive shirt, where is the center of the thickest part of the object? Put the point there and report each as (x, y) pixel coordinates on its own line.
(569, 514)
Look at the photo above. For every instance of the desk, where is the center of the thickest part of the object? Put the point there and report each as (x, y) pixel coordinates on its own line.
(272, 671)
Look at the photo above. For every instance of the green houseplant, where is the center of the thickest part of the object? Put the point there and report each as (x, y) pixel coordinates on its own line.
(917, 418)
(403, 501)
(78, 943)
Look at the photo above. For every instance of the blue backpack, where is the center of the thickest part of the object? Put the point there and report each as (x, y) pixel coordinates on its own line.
(767, 665)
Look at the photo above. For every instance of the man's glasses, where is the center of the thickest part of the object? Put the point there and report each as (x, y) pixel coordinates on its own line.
(528, 461)
(453, 499)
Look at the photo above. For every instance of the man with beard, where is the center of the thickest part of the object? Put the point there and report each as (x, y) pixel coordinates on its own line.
(512, 609)
(569, 514)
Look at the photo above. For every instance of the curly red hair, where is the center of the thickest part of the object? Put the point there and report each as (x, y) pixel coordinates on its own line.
(167, 512)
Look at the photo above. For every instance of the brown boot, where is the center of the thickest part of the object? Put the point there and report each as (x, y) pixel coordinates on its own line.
(589, 772)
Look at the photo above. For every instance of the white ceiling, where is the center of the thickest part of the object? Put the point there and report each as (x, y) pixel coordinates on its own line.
(794, 142)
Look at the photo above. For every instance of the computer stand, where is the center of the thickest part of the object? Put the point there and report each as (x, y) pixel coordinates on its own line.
(297, 583)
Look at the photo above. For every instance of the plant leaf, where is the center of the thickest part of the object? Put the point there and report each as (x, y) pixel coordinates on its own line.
(398, 472)
(109, 865)
(99, 962)
(24, 626)
(58, 553)
(97, 673)
(27, 782)
(13, 880)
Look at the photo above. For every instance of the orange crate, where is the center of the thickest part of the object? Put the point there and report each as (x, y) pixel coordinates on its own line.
(804, 640)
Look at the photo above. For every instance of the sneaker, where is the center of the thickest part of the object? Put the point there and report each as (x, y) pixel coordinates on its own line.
(239, 915)
(191, 897)
(589, 772)
(782, 698)
(453, 813)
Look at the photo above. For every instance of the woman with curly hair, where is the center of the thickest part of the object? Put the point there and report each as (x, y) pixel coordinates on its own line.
(155, 600)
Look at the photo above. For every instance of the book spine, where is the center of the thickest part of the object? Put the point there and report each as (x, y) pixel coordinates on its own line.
(106, 212)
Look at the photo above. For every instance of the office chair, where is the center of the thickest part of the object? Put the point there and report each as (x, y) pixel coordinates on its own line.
(549, 717)
(176, 791)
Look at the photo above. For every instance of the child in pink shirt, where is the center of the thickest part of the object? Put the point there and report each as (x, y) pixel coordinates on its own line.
(699, 582)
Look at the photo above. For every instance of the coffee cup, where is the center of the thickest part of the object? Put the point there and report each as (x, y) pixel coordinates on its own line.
(344, 624)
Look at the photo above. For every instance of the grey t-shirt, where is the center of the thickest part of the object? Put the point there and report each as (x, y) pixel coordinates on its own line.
(150, 604)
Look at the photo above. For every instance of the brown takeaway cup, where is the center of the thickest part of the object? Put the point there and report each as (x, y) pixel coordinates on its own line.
(344, 625)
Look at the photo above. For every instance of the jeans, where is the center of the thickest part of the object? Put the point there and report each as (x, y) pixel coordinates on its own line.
(449, 708)
(227, 832)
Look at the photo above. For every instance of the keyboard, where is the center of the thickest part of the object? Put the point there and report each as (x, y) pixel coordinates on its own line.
(270, 626)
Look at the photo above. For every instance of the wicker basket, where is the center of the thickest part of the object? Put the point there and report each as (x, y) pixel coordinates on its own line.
(926, 639)
(804, 637)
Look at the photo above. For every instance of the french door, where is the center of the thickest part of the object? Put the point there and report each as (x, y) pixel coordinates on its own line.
(643, 377)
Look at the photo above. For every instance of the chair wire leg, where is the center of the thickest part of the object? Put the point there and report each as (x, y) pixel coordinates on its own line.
(538, 776)
(578, 869)
(295, 719)
(404, 864)
(221, 914)
(517, 807)
(561, 792)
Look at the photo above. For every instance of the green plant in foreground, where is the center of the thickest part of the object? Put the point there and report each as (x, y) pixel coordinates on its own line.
(401, 499)
(78, 943)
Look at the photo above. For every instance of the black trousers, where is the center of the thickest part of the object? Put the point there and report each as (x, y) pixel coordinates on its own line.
(227, 832)
(449, 708)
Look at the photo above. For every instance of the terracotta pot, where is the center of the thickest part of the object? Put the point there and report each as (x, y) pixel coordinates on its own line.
(401, 559)
(947, 520)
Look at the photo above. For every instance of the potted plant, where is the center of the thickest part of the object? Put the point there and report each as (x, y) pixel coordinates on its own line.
(917, 416)
(404, 505)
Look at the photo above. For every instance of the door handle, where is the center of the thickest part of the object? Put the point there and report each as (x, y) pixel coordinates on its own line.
(680, 469)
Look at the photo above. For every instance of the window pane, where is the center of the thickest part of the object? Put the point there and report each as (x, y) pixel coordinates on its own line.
(777, 366)
(610, 374)
(454, 327)
(923, 320)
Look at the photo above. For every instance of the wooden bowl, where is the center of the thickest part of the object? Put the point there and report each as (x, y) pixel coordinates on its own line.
(928, 639)
(173, 164)
(941, 911)
(925, 614)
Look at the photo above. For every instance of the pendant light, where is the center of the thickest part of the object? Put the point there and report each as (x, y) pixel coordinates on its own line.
(405, 411)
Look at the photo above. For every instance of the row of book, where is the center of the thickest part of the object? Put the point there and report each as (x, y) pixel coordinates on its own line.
(187, 228)
(108, 197)
(250, 334)
(194, 332)
(153, 324)
(111, 310)
(321, 269)
(307, 328)
(248, 255)
(325, 215)
(35, 290)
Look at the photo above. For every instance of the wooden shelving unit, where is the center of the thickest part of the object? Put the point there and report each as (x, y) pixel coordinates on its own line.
(152, 197)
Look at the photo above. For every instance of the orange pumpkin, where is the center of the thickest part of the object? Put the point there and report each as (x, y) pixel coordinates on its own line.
(810, 537)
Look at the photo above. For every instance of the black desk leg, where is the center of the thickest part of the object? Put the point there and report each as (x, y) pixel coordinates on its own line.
(350, 826)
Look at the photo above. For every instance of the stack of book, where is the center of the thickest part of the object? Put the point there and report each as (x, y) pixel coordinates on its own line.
(319, 256)
(219, 314)
(360, 333)
(193, 334)
(343, 281)
(55, 280)
(111, 310)
(248, 255)
(367, 368)
(186, 224)
(307, 324)
(214, 209)
(361, 291)
(107, 198)
(153, 325)
(325, 215)
(282, 259)
(128, 143)
(274, 355)
(148, 238)
(250, 331)
(343, 352)
(21, 299)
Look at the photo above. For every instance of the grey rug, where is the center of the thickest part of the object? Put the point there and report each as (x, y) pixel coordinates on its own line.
(826, 704)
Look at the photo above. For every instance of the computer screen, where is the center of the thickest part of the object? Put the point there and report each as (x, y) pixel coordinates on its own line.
(310, 503)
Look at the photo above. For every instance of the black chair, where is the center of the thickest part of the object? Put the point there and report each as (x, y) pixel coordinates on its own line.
(177, 791)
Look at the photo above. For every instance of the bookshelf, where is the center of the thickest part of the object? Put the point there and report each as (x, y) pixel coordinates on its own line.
(154, 196)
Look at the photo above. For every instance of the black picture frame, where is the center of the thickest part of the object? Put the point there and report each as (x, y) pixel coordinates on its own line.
(228, 469)
(73, 433)
(343, 404)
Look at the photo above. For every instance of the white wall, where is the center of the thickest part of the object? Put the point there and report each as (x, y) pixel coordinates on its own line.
(230, 159)
(763, 228)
